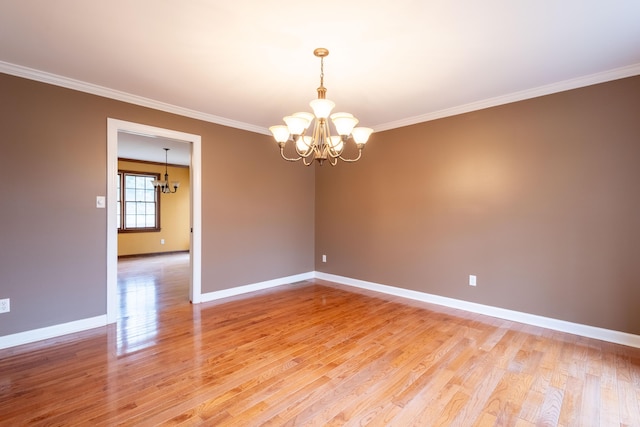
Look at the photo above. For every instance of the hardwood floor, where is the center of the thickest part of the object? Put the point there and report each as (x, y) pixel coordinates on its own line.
(311, 353)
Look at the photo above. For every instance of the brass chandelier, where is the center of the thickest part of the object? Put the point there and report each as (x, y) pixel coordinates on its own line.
(321, 145)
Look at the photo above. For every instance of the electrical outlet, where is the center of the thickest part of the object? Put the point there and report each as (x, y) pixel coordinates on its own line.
(5, 305)
(324, 258)
(162, 241)
(472, 280)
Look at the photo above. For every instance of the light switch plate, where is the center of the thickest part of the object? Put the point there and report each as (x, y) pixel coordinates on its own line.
(101, 202)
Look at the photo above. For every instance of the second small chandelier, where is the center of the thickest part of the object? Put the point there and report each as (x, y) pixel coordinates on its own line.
(165, 186)
(321, 145)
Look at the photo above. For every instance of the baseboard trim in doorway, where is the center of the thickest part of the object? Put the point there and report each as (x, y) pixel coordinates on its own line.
(225, 293)
(609, 335)
(54, 331)
(152, 254)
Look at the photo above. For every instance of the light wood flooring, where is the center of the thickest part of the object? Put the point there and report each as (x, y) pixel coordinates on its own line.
(311, 353)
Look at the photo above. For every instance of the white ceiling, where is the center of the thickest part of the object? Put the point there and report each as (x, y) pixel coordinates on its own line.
(151, 149)
(248, 63)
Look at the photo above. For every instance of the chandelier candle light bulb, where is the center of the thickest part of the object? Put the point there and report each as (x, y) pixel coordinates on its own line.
(321, 145)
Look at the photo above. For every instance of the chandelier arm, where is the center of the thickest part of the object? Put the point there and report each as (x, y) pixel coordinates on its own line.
(352, 160)
(298, 152)
(314, 147)
(328, 143)
(324, 136)
(287, 158)
(305, 154)
(295, 145)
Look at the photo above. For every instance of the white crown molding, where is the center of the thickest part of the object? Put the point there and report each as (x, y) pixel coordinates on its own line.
(606, 76)
(44, 77)
(56, 80)
(617, 337)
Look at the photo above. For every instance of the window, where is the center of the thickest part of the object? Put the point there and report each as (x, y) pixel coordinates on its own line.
(138, 202)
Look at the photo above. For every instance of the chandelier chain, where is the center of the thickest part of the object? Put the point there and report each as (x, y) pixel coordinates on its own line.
(322, 72)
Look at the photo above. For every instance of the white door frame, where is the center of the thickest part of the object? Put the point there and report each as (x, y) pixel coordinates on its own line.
(113, 126)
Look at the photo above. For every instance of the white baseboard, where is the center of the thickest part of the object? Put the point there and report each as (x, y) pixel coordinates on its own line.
(224, 293)
(617, 337)
(52, 331)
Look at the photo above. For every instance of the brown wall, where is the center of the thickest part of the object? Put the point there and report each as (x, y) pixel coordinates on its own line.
(540, 199)
(257, 209)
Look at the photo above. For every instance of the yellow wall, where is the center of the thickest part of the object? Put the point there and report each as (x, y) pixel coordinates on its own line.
(174, 215)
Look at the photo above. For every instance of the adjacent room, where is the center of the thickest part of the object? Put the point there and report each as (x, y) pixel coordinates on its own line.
(277, 213)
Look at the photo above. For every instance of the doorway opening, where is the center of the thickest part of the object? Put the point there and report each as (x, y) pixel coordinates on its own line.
(114, 127)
